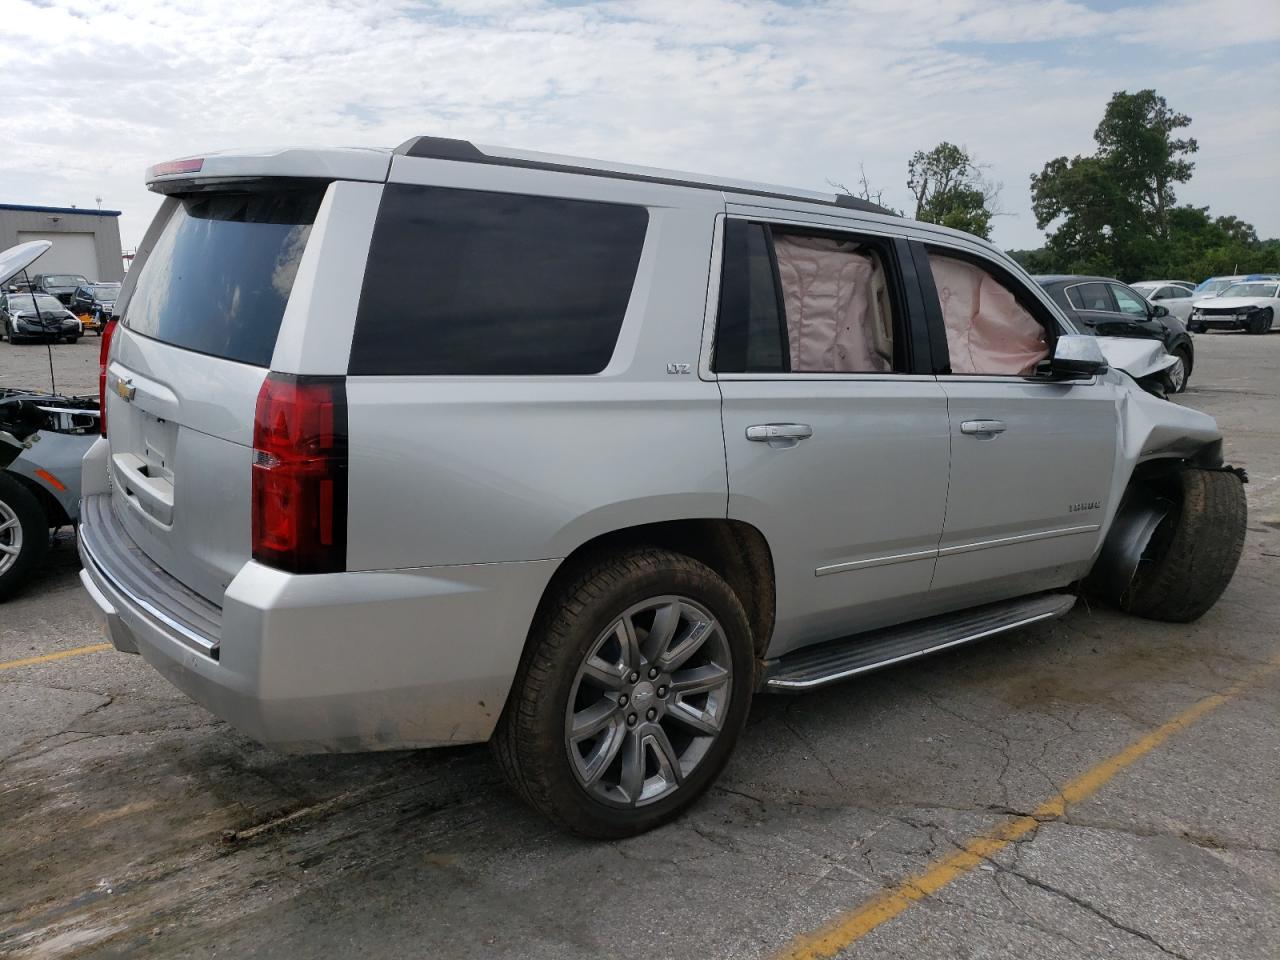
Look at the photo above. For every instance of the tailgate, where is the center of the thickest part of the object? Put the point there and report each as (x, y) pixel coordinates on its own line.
(181, 430)
(194, 345)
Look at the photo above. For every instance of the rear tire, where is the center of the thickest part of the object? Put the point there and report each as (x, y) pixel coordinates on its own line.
(1193, 553)
(23, 526)
(581, 782)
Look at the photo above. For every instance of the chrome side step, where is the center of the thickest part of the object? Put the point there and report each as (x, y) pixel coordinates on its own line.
(826, 663)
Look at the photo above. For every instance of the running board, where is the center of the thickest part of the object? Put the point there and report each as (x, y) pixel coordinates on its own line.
(817, 666)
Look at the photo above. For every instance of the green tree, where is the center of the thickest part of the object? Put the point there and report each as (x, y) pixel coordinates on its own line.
(1112, 209)
(950, 189)
(1136, 138)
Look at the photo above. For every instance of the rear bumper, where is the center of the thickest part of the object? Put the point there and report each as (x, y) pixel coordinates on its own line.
(373, 660)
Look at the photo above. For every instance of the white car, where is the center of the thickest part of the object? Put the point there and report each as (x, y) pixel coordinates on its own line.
(1214, 286)
(1252, 307)
(1170, 294)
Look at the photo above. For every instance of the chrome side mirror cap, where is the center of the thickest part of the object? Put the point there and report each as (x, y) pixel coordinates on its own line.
(1077, 356)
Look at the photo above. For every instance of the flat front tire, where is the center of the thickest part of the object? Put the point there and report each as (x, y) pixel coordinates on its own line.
(1193, 553)
(632, 692)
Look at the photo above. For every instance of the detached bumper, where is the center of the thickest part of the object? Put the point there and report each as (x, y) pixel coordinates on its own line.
(375, 660)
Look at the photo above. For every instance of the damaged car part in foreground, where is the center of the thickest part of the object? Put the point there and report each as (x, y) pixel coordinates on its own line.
(596, 496)
(39, 481)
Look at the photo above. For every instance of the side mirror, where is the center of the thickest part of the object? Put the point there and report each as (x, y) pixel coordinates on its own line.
(1076, 356)
(1159, 311)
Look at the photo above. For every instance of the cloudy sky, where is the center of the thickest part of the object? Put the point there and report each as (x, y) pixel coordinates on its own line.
(790, 91)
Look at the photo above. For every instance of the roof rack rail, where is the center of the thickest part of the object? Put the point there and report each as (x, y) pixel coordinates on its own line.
(444, 148)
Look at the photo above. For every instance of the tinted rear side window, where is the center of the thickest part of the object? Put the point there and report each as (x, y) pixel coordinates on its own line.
(220, 274)
(1090, 296)
(467, 282)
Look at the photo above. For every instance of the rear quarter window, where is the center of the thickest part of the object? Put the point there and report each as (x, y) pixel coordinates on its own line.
(467, 282)
(219, 276)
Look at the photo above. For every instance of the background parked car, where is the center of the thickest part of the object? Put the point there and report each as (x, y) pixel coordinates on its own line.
(60, 285)
(1214, 286)
(1108, 308)
(1190, 285)
(89, 297)
(20, 323)
(1253, 307)
(1174, 297)
(92, 303)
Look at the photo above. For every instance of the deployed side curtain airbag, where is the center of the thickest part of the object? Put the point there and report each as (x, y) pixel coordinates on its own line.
(988, 331)
(837, 306)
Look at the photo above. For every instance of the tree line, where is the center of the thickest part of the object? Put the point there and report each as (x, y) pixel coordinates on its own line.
(1113, 213)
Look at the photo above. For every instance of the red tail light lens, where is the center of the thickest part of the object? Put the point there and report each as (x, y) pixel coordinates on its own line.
(300, 474)
(104, 354)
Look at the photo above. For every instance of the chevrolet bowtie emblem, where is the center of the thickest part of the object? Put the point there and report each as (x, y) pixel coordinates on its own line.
(125, 390)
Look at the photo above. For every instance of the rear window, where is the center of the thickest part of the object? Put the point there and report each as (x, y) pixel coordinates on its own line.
(219, 276)
(467, 282)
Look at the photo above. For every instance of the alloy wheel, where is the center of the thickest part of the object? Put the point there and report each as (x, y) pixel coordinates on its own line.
(648, 701)
(10, 537)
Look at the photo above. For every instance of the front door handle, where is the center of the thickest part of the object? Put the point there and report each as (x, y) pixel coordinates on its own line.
(779, 434)
(982, 428)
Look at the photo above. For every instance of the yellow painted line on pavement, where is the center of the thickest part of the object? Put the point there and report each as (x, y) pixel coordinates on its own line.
(851, 927)
(50, 657)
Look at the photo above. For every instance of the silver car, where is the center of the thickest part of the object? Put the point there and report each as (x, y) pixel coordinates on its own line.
(451, 443)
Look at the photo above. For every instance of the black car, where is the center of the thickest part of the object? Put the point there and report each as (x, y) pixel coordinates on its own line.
(1108, 308)
(92, 302)
(60, 285)
(20, 323)
(90, 297)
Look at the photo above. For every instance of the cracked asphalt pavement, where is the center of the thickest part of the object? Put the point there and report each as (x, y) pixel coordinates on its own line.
(134, 824)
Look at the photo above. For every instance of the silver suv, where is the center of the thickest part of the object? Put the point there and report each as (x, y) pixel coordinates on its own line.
(450, 444)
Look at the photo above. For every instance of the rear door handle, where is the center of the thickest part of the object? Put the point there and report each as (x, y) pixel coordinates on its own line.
(982, 428)
(779, 434)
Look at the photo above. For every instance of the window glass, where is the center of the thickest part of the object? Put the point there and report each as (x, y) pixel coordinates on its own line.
(1090, 296)
(750, 337)
(838, 311)
(800, 303)
(1128, 302)
(471, 282)
(221, 271)
(1250, 290)
(988, 331)
(1172, 292)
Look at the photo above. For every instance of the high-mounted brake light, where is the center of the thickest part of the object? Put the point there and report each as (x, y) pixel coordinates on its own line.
(192, 165)
(104, 356)
(300, 474)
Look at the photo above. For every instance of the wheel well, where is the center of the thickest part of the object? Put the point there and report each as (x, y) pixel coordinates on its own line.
(736, 551)
(1152, 493)
(53, 511)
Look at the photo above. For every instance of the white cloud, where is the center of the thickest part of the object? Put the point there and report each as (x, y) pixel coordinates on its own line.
(787, 92)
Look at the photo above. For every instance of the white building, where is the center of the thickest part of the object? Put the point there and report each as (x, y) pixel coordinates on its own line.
(86, 242)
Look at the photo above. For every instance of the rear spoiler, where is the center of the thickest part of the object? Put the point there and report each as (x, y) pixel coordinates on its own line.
(187, 174)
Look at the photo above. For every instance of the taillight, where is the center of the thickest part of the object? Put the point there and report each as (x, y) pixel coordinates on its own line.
(104, 354)
(300, 474)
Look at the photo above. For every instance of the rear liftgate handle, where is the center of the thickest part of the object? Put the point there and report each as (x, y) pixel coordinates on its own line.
(983, 429)
(779, 435)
